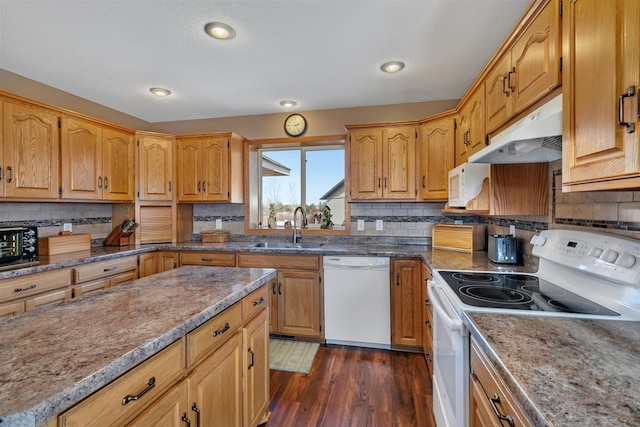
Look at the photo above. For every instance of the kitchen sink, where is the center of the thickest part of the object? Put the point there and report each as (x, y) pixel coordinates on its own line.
(283, 245)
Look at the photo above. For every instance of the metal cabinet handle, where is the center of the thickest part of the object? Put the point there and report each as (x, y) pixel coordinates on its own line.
(423, 181)
(504, 86)
(0, 174)
(378, 182)
(513, 71)
(184, 419)
(195, 409)
(496, 399)
(151, 384)
(466, 137)
(10, 174)
(397, 278)
(169, 186)
(206, 259)
(100, 182)
(106, 182)
(260, 301)
(25, 289)
(385, 182)
(427, 302)
(203, 186)
(274, 288)
(253, 358)
(199, 186)
(110, 268)
(631, 127)
(428, 323)
(224, 329)
(280, 288)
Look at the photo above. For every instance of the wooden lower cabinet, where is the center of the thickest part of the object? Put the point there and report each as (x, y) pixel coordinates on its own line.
(256, 365)
(24, 293)
(167, 261)
(147, 264)
(490, 402)
(406, 303)
(427, 328)
(166, 411)
(221, 259)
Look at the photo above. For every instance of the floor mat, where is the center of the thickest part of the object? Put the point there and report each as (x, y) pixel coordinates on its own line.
(292, 356)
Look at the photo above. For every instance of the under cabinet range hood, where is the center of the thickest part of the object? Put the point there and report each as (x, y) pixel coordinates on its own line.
(536, 138)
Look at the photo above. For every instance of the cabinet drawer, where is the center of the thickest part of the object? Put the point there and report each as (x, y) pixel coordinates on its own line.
(101, 269)
(208, 258)
(47, 298)
(298, 262)
(209, 336)
(107, 406)
(493, 385)
(94, 285)
(33, 284)
(11, 308)
(255, 302)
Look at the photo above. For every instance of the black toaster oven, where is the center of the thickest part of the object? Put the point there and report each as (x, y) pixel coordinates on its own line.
(18, 244)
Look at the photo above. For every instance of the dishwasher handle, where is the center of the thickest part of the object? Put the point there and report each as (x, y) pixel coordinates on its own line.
(452, 323)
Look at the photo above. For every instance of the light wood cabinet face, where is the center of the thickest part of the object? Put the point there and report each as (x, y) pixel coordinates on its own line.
(498, 94)
(148, 264)
(203, 169)
(299, 303)
(155, 168)
(118, 165)
(208, 258)
(166, 411)
(215, 186)
(477, 134)
(30, 152)
(256, 376)
(406, 300)
(435, 158)
(189, 173)
(595, 147)
(365, 151)
(398, 163)
(167, 261)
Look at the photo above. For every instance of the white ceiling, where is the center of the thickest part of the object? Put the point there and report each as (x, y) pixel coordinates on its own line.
(323, 54)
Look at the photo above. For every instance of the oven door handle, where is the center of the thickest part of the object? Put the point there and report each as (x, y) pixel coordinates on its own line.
(451, 323)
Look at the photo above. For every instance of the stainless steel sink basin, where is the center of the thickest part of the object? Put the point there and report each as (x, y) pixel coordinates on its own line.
(282, 245)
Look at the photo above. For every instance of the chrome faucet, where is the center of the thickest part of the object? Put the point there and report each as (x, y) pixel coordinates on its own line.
(304, 222)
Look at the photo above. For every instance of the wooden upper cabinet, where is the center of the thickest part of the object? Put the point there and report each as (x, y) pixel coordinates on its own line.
(209, 168)
(30, 151)
(435, 157)
(97, 161)
(602, 80)
(527, 72)
(155, 167)
(382, 163)
(471, 135)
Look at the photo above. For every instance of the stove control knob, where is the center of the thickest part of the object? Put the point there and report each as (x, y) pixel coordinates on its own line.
(595, 252)
(626, 260)
(609, 255)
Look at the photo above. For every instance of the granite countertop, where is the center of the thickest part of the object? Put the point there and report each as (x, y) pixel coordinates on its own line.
(565, 371)
(58, 354)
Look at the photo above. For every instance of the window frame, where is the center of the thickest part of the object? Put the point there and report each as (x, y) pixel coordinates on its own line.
(252, 170)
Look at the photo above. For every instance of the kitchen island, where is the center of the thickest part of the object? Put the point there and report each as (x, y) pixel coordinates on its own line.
(565, 371)
(55, 356)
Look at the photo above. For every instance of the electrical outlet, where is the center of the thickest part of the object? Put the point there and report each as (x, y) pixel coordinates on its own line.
(512, 230)
(378, 225)
(67, 226)
(361, 225)
(218, 223)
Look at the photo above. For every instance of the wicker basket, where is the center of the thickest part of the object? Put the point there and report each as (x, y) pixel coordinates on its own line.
(214, 236)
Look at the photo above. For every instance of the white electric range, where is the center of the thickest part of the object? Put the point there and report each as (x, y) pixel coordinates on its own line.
(580, 275)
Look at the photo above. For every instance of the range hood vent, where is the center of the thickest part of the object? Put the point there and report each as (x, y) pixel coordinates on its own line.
(536, 138)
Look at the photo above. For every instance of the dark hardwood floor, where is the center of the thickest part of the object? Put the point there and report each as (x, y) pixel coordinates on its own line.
(349, 386)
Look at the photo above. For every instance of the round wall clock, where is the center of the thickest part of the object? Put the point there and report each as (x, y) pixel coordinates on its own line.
(295, 125)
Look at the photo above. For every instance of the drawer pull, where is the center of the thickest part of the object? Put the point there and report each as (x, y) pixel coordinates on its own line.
(207, 259)
(225, 328)
(195, 409)
(151, 384)
(253, 358)
(110, 268)
(427, 302)
(26, 289)
(185, 419)
(630, 127)
(428, 323)
(496, 399)
(260, 301)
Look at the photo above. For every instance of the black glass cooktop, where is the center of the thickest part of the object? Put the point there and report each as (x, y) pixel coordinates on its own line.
(518, 292)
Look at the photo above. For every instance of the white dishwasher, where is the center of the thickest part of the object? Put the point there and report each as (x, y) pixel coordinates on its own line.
(357, 302)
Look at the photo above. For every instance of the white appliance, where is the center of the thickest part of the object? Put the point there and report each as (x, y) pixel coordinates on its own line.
(580, 274)
(357, 302)
(465, 183)
(533, 139)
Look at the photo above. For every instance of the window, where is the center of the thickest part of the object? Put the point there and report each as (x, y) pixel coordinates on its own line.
(314, 175)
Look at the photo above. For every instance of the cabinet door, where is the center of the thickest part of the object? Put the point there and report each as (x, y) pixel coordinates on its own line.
(215, 181)
(498, 92)
(81, 159)
(299, 303)
(406, 300)
(535, 59)
(436, 158)
(189, 167)
(31, 152)
(256, 378)
(170, 410)
(477, 135)
(215, 386)
(167, 261)
(273, 306)
(117, 165)
(147, 265)
(12, 308)
(398, 163)
(155, 168)
(462, 136)
(480, 412)
(365, 164)
(595, 146)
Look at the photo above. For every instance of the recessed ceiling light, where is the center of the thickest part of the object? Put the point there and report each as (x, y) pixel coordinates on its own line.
(288, 103)
(161, 92)
(392, 67)
(220, 31)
